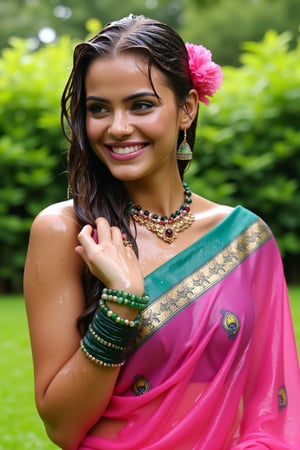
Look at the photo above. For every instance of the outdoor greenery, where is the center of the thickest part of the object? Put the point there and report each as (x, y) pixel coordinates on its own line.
(221, 25)
(247, 150)
(32, 148)
(20, 425)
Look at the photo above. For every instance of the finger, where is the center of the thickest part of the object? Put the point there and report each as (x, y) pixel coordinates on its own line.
(79, 249)
(103, 230)
(86, 230)
(85, 238)
(116, 235)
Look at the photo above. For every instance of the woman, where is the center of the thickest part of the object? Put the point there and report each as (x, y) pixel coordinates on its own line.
(166, 325)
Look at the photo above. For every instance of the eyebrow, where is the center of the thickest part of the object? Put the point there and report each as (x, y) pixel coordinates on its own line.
(126, 99)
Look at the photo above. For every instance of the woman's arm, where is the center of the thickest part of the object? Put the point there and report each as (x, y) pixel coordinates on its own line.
(71, 392)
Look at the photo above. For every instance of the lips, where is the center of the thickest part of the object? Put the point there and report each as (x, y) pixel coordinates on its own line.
(126, 150)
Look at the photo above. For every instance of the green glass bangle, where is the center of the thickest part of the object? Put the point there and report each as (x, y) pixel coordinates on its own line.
(123, 301)
(110, 338)
(111, 331)
(104, 341)
(124, 294)
(125, 298)
(103, 352)
(99, 361)
(99, 351)
(116, 318)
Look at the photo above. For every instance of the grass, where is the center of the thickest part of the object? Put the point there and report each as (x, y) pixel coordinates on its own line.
(20, 425)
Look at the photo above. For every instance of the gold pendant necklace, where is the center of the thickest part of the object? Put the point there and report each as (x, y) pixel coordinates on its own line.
(166, 228)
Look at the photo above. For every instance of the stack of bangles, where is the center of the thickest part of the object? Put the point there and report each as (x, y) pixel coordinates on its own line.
(110, 338)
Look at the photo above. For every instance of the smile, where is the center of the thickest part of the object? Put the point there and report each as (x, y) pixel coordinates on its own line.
(126, 150)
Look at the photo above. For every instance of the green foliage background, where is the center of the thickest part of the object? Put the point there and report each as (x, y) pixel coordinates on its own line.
(247, 152)
(32, 148)
(248, 148)
(221, 25)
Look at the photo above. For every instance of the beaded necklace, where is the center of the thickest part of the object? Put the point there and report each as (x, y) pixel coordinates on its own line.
(166, 228)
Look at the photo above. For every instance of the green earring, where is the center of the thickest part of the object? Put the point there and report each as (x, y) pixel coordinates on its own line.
(184, 151)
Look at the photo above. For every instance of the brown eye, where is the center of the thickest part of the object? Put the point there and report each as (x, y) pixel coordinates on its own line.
(142, 105)
(96, 109)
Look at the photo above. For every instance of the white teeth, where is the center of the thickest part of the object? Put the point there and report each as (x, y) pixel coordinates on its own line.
(126, 150)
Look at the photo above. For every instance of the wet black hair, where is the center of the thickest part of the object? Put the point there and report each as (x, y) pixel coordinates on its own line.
(94, 190)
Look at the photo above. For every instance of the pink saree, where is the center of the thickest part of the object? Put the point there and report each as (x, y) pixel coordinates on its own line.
(216, 366)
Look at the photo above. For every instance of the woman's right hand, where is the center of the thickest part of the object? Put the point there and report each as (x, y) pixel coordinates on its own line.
(108, 259)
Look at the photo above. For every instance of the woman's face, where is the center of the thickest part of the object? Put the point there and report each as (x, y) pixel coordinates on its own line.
(132, 131)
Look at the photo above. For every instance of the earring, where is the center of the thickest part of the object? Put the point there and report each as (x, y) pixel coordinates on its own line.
(184, 151)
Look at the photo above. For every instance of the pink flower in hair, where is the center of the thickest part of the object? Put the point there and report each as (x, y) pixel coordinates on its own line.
(206, 75)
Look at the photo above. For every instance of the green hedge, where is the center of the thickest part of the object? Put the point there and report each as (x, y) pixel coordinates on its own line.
(247, 152)
(248, 149)
(32, 148)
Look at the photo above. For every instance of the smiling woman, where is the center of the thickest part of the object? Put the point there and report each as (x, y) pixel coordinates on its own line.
(146, 321)
(130, 121)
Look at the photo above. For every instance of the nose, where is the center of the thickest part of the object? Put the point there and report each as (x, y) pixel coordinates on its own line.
(119, 125)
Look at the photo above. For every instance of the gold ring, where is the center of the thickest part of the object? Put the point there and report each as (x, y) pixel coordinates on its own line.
(127, 244)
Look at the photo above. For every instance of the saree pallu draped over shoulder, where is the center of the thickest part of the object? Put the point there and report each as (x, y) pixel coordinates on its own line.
(216, 365)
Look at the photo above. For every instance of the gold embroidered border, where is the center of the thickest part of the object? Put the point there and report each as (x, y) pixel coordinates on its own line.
(200, 281)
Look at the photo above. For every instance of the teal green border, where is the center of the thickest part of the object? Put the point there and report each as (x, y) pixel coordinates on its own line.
(200, 252)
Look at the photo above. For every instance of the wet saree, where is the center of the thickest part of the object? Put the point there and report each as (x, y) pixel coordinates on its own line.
(216, 366)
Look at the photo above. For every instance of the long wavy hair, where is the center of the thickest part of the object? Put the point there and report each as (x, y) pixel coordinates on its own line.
(94, 190)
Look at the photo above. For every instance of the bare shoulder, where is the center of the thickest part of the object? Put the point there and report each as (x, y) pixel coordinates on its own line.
(61, 211)
(53, 235)
(58, 218)
(210, 212)
(51, 252)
